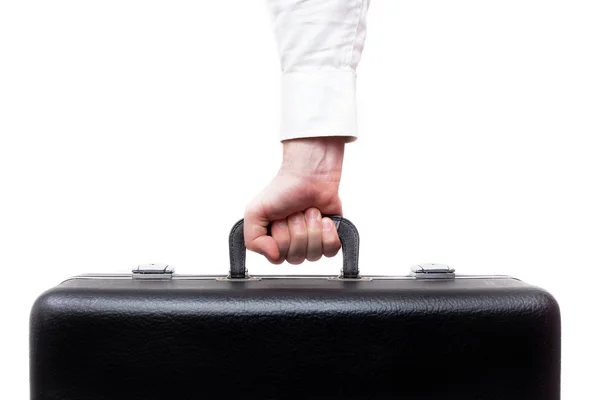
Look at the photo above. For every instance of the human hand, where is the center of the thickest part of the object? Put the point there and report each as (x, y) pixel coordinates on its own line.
(305, 187)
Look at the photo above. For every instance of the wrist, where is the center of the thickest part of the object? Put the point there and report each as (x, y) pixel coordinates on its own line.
(316, 157)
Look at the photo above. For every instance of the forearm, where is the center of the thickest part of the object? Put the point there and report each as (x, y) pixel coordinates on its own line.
(318, 158)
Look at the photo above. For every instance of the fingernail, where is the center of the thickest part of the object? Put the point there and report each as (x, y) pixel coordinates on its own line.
(312, 214)
(327, 224)
(279, 224)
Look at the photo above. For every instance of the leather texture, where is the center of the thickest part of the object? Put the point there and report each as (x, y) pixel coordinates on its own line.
(307, 338)
(347, 233)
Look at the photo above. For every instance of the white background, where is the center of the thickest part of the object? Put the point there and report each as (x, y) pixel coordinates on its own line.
(137, 131)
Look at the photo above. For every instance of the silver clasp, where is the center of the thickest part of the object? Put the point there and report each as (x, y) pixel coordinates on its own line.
(432, 271)
(153, 271)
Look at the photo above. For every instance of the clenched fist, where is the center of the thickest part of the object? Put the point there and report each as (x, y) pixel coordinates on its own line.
(305, 187)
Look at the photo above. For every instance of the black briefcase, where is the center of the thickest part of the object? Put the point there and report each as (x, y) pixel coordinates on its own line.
(431, 334)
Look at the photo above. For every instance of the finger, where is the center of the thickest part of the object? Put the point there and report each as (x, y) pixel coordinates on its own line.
(314, 228)
(281, 234)
(256, 238)
(331, 240)
(298, 238)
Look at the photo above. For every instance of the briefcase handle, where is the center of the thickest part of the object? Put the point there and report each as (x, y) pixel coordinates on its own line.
(347, 233)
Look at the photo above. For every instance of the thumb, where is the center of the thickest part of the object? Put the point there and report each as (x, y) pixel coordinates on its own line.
(256, 238)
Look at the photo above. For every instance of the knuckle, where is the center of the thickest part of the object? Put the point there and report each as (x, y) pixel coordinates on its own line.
(294, 261)
(314, 229)
(281, 238)
(283, 246)
(314, 257)
(299, 235)
(331, 251)
(279, 224)
(329, 242)
(331, 254)
(278, 261)
(295, 256)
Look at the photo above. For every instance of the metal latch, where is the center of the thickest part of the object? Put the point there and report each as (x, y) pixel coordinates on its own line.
(432, 271)
(153, 271)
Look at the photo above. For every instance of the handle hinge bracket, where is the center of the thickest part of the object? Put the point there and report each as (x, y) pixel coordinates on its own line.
(433, 271)
(153, 271)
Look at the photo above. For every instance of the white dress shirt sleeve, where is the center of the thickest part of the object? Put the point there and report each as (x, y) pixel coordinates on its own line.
(320, 43)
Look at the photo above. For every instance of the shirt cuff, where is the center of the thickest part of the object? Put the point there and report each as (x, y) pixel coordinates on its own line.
(318, 103)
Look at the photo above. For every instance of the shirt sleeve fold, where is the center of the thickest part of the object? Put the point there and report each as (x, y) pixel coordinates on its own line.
(320, 43)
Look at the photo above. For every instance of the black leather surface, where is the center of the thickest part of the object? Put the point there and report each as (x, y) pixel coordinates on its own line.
(347, 233)
(468, 339)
